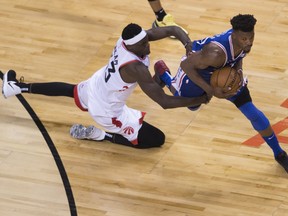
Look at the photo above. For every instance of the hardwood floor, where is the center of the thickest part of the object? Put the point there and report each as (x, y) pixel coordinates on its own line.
(203, 169)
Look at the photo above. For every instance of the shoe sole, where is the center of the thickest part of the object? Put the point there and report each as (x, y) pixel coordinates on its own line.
(4, 84)
(75, 130)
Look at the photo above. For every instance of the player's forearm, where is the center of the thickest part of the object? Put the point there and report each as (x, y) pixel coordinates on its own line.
(175, 102)
(197, 79)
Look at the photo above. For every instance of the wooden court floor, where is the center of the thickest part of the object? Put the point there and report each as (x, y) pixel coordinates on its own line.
(212, 162)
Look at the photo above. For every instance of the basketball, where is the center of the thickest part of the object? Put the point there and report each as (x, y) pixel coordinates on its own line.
(226, 77)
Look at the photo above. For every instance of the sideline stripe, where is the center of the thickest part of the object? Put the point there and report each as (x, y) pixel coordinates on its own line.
(53, 150)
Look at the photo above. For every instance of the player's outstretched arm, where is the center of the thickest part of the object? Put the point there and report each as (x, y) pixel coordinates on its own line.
(142, 75)
(163, 32)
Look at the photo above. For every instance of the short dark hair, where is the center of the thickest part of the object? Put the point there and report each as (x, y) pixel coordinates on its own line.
(243, 22)
(131, 31)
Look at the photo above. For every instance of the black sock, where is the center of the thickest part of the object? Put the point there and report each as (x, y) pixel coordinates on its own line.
(118, 139)
(25, 87)
(49, 89)
(160, 14)
(148, 137)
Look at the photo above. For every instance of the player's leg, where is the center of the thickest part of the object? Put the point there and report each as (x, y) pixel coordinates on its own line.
(180, 85)
(260, 123)
(162, 18)
(163, 75)
(11, 87)
(128, 129)
(138, 132)
(91, 132)
(148, 136)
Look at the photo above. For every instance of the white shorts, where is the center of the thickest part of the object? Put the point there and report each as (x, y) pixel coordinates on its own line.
(81, 95)
(127, 124)
(178, 80)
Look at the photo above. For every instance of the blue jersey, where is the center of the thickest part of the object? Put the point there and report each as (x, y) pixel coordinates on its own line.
(224, 41)
(187, 88)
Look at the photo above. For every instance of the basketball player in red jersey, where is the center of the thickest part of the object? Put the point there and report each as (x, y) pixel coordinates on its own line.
(104, 95)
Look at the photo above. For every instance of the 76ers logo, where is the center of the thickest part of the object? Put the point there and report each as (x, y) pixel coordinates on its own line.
(128, 130)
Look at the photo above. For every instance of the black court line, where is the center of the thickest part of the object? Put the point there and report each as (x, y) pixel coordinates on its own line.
(53, 150)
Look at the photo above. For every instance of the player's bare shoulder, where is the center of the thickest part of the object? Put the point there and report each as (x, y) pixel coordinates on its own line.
(134, 72)
(209, 55)
(214, 54)
(213, 50)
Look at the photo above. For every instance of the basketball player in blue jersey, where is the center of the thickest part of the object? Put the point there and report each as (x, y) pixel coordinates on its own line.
(211, 53)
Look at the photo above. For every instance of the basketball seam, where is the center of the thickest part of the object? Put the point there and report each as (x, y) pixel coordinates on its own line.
(217, 83)
(228, 77)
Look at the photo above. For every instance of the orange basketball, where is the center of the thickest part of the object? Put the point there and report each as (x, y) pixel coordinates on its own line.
(226, 77)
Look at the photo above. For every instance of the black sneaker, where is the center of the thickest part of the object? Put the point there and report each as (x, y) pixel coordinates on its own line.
(282, 159)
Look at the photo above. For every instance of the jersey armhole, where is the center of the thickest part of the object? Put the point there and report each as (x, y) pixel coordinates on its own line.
(224, 50)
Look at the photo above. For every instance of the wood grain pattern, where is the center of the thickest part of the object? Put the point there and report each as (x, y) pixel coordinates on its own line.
(203, 169)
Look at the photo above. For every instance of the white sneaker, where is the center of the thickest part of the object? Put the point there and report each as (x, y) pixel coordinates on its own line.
(79, 131)
(9, 87)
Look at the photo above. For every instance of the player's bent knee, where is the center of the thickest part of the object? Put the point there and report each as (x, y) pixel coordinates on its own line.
(150, 136)
(243, 98)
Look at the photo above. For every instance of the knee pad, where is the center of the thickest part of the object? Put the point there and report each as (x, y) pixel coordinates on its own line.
(150, 136)
(242, 98)
(258, 120)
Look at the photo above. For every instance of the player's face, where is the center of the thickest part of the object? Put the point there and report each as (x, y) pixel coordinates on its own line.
(244, 40)
(142, 48)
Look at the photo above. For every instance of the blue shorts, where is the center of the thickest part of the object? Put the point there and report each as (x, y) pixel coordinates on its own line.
(188, 88)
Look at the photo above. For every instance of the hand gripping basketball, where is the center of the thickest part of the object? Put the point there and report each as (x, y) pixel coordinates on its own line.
(226, 80)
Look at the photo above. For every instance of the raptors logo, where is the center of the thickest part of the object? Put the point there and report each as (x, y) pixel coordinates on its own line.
(116, 122)
(128, 130)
